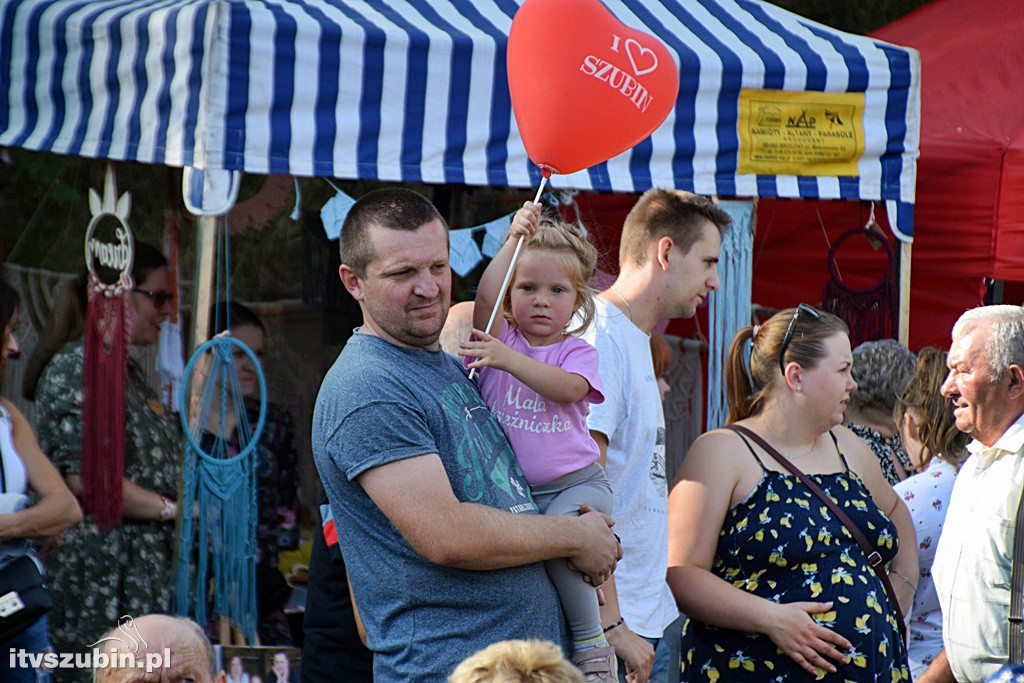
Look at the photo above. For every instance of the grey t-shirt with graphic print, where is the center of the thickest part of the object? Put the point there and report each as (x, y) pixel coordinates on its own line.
(380, 403)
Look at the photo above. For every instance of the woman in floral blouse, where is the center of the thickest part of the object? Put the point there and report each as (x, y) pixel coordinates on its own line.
(936, 448)
(98, 575)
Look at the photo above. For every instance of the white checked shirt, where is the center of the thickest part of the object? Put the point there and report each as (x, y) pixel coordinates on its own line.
(972, 562)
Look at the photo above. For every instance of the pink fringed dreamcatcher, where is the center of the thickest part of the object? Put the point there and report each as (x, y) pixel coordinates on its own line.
(109, 253)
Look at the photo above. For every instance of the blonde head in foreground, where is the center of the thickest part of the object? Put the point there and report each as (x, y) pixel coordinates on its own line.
(517, 661)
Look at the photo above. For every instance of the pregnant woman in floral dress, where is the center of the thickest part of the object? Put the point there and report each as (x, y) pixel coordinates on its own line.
(775, 587)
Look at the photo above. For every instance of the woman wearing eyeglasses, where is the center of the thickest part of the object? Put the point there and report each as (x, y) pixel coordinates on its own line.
(99, 575)
(775, 586)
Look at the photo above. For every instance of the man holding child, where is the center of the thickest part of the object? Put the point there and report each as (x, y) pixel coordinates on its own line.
(439, 532)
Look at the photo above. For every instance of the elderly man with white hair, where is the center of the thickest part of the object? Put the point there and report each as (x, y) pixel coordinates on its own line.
(974, 556)
(164, 649)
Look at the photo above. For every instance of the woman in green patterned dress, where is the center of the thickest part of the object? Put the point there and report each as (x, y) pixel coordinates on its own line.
(99, 575)
(775, 587)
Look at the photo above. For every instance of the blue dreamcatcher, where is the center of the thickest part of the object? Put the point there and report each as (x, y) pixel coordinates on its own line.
(217, 536)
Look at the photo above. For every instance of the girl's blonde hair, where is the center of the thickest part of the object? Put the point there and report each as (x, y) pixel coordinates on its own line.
(576, 254)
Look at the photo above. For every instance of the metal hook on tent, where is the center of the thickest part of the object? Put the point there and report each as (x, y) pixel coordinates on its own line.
(872, 223)
(209, 192)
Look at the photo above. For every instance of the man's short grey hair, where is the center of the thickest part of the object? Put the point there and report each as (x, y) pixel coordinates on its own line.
(1005, 346)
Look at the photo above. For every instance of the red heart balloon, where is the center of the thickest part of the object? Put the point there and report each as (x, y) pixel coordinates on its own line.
(584, 86)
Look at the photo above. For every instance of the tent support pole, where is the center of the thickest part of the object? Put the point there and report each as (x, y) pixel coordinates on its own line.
(904, 329)
(204, 281)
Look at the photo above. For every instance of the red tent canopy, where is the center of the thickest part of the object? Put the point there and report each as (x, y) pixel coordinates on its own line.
(970, 188)
(969, 211)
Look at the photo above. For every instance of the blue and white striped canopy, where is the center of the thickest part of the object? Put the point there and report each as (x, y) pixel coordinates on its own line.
(416, 90)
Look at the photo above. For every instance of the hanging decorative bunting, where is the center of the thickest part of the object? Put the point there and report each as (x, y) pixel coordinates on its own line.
(333, 213)
(494, 234)
(109, 254)
(463, 253)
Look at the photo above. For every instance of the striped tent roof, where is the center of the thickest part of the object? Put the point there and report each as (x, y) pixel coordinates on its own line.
(416, 90)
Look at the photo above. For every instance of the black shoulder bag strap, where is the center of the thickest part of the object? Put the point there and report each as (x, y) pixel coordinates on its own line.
(1015, 633)
(874, 558)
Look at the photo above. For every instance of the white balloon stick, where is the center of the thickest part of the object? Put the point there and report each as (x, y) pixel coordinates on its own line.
(508, 273)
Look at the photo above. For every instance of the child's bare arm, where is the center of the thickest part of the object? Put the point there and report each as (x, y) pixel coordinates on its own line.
(550, 381)
(524, 224)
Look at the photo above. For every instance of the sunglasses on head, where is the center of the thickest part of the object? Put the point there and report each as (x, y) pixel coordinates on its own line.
(802, 308)
(160, 299)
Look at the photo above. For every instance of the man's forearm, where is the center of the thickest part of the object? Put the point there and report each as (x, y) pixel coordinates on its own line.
(416, 496)
(484, 538)
(449, 532)
(500, 540)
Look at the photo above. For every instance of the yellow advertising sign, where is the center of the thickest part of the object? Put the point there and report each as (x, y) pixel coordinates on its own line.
(800, 133)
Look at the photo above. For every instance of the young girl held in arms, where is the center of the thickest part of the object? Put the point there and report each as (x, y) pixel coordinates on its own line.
(539, 380)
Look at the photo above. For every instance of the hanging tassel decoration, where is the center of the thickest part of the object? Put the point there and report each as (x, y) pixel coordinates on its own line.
(729, 307)
(105, 366)
(218, 510)
(218, 503)
(104, 372)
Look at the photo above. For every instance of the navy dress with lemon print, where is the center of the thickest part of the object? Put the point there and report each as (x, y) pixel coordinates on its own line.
(783, 544)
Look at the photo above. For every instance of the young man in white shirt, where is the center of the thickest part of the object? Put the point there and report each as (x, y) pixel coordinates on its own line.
(668, 258)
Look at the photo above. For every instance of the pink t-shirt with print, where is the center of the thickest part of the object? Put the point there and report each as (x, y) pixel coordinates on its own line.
(549, 439)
